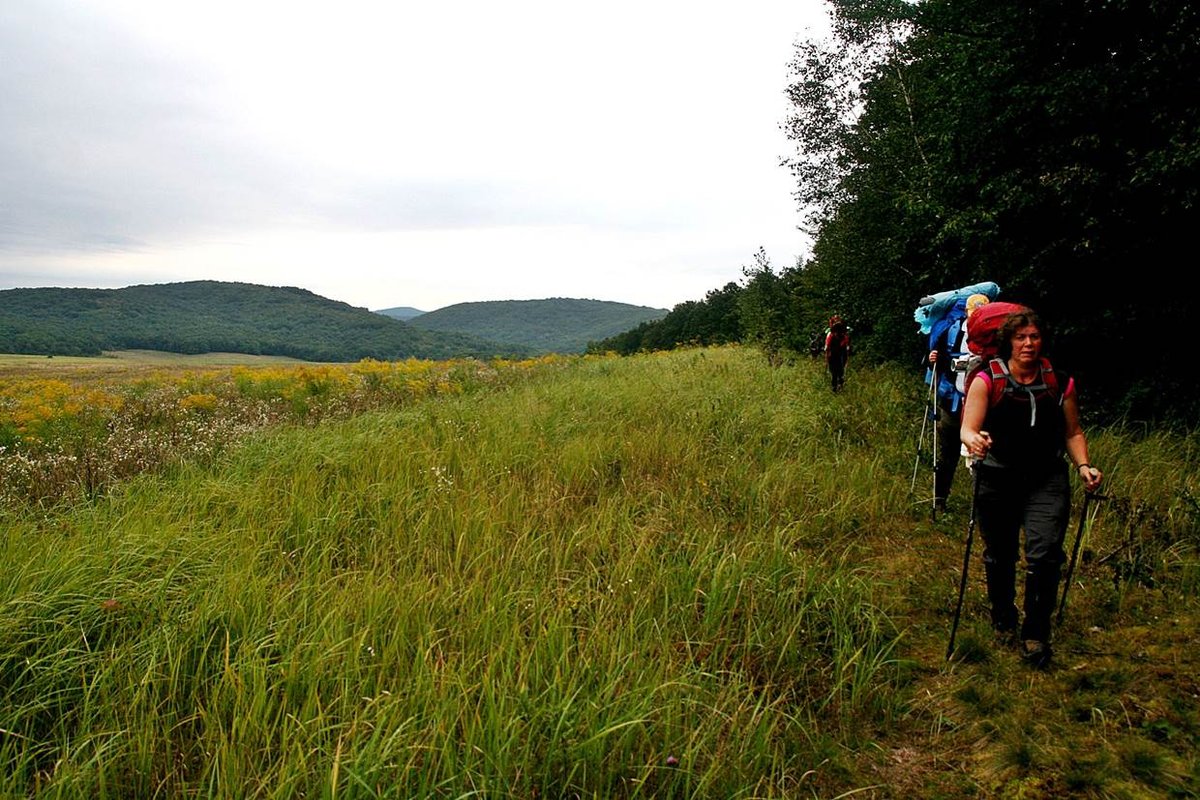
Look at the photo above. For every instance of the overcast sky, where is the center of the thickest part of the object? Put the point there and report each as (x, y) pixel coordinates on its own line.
(398, 153)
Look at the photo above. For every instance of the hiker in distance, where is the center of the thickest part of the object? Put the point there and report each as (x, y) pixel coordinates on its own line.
(947, 368)
(837, 351)
(1019, 418)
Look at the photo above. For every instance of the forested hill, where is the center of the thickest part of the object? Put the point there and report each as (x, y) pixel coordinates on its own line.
(400, 312)
(212, 316)
(558, 325)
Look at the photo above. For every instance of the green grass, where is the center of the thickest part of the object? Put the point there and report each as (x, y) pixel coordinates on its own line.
(682, 575)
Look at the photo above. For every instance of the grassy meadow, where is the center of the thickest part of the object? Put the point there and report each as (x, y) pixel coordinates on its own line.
(72, 427)
(683, 575)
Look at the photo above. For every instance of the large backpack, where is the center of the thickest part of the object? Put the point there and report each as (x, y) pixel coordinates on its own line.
(837, 344)
(934, 306)
(983, 342)
(984, 325)
(945, 312)
(983, 328)
(948, 336)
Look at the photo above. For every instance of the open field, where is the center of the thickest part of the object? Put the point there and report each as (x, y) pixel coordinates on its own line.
(679, 575)
(72, 427)
(125, 361)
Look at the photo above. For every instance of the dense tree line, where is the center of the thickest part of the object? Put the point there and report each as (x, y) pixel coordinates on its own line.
(1051, 148)
(210, 316)
(711, 321)
(763, 310)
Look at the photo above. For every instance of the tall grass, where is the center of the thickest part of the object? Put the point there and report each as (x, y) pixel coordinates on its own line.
(644, 577)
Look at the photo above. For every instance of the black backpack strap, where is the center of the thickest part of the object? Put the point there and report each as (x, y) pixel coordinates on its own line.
(1047, 383)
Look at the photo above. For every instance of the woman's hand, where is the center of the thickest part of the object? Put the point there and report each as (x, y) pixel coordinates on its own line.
(1091, 477)
(970, 433)
(978, 444)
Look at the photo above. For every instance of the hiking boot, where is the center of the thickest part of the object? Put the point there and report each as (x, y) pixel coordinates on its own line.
(1036, 653)
(1005, 635)
(1004, 614)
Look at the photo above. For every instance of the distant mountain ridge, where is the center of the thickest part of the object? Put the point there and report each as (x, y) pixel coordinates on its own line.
(553, 325)
(403, 313)
(216, 316)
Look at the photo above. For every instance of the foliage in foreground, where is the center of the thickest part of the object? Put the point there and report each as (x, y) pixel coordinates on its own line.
(685, 575)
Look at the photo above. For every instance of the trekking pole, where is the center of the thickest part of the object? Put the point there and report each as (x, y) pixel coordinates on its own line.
(1088, 497)
(962, 584)
(934, 461)
(921, 438)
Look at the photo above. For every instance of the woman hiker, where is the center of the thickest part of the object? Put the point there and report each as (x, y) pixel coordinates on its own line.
(1019, 418)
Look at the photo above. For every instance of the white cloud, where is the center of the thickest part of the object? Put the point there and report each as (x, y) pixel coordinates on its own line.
(398, 153)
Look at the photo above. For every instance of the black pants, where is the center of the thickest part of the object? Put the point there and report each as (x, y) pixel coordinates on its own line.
(948, 424)
(837, 370)
(1039, 502)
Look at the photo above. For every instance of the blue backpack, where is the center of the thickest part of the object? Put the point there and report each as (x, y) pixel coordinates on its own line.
(948, 336)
